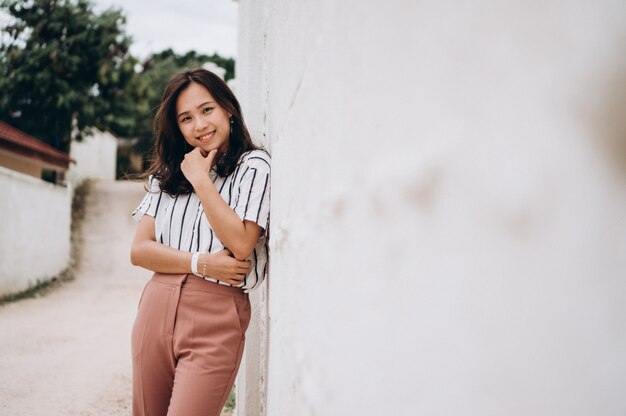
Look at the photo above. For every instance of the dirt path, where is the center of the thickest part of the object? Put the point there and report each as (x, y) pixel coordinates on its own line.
(68, 353)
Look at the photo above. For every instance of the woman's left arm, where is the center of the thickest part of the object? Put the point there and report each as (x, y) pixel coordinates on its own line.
(238, 236)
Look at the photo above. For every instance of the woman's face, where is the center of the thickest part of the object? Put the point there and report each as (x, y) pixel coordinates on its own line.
(201, 119)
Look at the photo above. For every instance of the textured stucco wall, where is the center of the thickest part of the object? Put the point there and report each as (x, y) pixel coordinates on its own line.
(35, 218)
(249, 86)
(448, 198)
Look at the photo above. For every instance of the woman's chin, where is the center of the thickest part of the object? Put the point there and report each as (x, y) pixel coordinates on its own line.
(207, 147)
(203, 150)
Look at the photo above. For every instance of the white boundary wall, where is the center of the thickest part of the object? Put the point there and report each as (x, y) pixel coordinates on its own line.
(249, 88)
(95, 156)
(35, 219)
(448, 196)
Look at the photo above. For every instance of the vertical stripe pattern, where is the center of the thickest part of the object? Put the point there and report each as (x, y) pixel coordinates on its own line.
(180, 221)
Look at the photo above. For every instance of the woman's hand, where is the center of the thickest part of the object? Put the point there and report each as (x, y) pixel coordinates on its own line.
(197, 164)
(222, 266)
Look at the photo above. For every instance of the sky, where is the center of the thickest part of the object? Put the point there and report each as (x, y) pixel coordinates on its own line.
(206, 26)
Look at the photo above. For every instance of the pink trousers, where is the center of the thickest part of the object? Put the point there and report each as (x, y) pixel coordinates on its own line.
(187, 342)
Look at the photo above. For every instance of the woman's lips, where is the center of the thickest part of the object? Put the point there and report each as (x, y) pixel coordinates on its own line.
(206, 137)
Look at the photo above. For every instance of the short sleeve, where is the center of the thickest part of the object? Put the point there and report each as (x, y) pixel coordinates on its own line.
(150, 201)
(253, 199)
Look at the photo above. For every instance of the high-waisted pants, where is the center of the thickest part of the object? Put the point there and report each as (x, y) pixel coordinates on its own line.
(186, 342)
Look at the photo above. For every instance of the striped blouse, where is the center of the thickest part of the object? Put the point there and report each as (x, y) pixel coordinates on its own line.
(180, 221)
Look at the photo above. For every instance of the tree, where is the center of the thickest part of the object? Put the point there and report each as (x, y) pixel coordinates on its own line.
(61, 62)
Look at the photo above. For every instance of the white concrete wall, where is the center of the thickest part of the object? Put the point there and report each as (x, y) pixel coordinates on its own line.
(96, 157)
(448, 206)
(250, 88)
(35, 219)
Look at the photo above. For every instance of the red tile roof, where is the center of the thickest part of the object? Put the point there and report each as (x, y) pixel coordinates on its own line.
(16, 141)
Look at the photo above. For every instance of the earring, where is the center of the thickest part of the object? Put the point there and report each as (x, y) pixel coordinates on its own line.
(231, 125)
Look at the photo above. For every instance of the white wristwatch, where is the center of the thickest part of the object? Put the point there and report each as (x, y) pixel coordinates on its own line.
(194, 264)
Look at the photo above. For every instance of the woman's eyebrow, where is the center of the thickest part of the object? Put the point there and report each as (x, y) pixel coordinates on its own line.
(184, 112)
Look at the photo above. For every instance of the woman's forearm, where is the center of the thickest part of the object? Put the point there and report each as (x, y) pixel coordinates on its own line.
(160, 258)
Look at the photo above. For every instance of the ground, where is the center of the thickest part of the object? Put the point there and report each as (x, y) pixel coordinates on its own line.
(68, 352)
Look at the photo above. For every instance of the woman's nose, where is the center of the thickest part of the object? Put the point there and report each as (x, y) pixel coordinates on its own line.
(201, 124)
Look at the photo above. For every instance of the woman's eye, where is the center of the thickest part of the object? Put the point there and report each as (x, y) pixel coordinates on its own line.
(182, 120)
(206, 110)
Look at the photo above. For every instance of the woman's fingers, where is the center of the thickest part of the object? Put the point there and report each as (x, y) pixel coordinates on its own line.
(236, 280)
(231, 270)
(201, 151)
(244, 264)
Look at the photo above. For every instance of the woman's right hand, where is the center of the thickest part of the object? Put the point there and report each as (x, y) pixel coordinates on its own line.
(223, 266)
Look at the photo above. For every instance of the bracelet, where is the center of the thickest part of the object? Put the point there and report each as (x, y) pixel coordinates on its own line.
(194, 264)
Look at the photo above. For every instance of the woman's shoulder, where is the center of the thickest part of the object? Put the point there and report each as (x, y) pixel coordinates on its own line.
(153, 184)
(256, 157)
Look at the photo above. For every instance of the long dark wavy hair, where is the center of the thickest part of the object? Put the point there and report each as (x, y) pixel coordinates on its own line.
(170, 146)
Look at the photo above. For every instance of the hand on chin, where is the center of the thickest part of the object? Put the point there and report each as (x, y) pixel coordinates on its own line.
(203, 152)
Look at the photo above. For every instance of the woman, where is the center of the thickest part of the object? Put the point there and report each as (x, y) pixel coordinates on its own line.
(205, 236)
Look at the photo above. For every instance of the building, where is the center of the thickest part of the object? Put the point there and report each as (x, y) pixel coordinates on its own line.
(35, 214)
(26, 154)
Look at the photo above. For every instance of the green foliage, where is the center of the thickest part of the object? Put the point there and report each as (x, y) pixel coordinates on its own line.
(61, 60)
(230, 402)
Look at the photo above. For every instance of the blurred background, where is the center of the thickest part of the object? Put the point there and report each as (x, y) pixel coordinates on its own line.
(448, 227)
(80, 82)
(77, 69)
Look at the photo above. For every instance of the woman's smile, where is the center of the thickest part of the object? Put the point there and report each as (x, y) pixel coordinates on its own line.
(206, 137)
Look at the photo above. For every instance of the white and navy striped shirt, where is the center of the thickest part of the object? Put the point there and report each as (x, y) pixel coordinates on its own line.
(180, 221)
